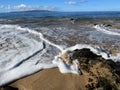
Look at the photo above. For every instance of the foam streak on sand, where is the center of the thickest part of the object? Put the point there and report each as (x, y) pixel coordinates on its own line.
(21, 61)
(63, 67)
(18, 55)
(109, 31)
(106, 30)
(41, 36)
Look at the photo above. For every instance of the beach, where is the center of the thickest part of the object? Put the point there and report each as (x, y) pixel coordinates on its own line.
(96, 73)
(50, 79)
(59, 53)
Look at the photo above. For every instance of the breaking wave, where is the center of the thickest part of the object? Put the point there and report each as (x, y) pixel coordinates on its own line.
(107, 30)
(24, 51)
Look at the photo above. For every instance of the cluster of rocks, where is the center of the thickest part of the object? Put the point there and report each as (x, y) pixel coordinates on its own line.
(99, 74)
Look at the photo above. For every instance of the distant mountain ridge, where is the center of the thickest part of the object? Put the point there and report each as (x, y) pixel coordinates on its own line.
(33, 11)
(37, 11)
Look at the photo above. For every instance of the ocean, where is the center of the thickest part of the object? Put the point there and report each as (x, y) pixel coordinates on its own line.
(32, 41)
(53, 14)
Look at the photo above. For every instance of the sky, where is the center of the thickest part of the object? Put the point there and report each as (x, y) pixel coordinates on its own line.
(59, 5)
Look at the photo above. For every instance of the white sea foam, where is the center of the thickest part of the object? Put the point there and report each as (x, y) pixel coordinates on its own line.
(106, 30)
(21, 55)
(95, 49)
(110, 31)
(65, 68)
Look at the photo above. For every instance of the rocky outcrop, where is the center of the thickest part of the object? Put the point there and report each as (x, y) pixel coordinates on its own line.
(99, 74)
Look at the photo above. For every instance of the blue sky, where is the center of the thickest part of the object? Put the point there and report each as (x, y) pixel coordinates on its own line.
(60, 5)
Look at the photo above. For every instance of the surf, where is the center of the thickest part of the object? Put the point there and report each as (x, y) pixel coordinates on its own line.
(31, 58)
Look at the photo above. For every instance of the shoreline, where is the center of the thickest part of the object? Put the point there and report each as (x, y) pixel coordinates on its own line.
(50, 79)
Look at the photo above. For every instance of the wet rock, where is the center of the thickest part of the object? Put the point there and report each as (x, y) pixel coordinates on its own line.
(90, 80)
(108, 25)
(95, 24)
(99, 73)
(84, 53)
(89, 87)
(72, 19)
(110, 64)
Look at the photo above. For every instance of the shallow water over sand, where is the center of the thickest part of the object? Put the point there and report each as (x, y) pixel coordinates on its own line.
(32, 47)
(67, 37)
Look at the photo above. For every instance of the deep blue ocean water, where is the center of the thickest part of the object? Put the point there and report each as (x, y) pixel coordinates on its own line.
(38, 14)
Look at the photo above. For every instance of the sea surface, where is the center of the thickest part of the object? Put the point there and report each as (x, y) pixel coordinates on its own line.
(49, 14)
(32, 41)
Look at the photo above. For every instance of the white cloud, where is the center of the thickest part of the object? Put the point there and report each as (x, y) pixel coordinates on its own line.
(23, 7)
(71, 2)
(75, 2)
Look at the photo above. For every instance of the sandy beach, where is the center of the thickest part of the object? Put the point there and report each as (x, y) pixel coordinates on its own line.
(50, 79)
(88, 46)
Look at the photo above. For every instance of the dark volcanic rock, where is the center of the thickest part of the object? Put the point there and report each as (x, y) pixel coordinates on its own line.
(100, 74)
(84, 53)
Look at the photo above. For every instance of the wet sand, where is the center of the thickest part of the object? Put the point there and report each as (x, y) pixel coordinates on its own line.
(50, 79)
